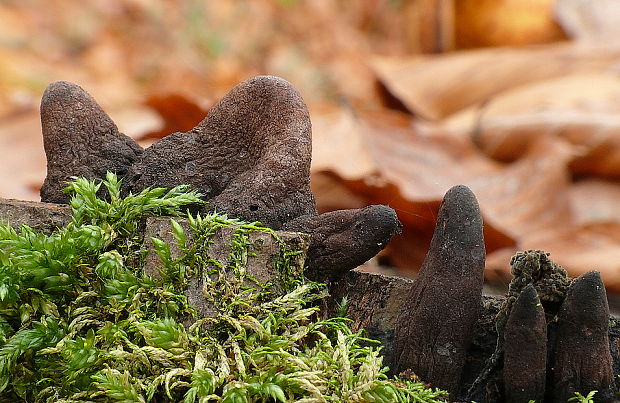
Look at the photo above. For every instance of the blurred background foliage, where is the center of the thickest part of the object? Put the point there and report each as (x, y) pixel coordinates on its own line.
(517, 99)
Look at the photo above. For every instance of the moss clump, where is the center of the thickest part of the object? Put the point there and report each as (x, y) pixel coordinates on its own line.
(81, 321)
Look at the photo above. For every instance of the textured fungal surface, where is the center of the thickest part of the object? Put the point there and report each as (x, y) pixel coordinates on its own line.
(582, 358)
(345, 238)
(530, 268)
(535, 267)
(525, 354)
(80, 139)
(575, 314)
(250, 157)
(438, 316)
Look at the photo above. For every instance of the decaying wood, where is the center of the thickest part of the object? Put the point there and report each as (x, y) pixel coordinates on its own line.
(41, 217)
(263, 252)
(376, 304)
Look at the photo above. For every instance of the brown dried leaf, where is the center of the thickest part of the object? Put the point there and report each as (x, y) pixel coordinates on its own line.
(435, 87)
(588, 240)
(393, 161)
(384, 158)
(578, 249)
(581, 109)
(331, 194)
(22, 160)
(529, 196)
(589, 21)
(595, 201)
(431, 25)
(385, 148)
(179, 114)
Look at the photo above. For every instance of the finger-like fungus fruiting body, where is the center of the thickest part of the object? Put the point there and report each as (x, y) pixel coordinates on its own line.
(525, 351)
(530, 268)
(80, 139)
(582, 358)
(437, 320)
(250, 157)
(345, 238)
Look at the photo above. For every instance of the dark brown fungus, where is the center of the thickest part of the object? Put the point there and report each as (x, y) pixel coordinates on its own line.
(535, 267)
(525, 349)
(344, 239)
(582, 359)
(436, 323)
(80, 139)
(530, 268)
(250, 157)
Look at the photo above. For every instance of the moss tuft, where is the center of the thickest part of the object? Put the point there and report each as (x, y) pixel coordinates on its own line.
(80, 320)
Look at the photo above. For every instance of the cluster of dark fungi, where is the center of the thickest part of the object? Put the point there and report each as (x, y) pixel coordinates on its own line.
(551, 332)
(251, 156)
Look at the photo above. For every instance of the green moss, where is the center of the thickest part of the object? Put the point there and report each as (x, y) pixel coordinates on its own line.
(81, 321)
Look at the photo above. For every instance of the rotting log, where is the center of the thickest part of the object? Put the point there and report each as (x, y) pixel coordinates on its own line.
(44, 217)
(376, 301)
(263, 250)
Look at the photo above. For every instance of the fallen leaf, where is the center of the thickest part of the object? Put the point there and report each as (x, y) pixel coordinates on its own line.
(22, 159)
(530, 196)
(331, 194)
(435, 87)
(396, 161)
(595, 201)
(383, 158)
(578, 249)
(589, 21)
(178, 112)
(137, 122)
(388, 147)
(589, 239)
(581, 109)
(431, 25)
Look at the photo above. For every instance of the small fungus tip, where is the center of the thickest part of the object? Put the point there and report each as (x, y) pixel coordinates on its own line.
(63, 93)
(460, 195)
(529, 292)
